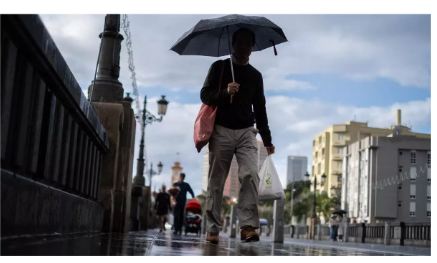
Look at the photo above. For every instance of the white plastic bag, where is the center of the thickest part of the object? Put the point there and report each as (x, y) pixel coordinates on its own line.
(270, 187)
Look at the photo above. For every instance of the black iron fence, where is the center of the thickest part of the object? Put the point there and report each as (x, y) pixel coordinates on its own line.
(394, 233)
(49, 131)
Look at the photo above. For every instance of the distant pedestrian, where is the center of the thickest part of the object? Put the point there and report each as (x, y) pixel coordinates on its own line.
(162, 207)
(181, 200)
(333, 227)
(341, 228)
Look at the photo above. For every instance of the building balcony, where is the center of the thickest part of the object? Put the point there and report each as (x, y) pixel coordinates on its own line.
(339, 143)
(336, 172)
(340, 128)
(337, 157)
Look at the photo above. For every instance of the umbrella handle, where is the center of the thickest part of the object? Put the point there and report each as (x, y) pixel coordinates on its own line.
(230, 58)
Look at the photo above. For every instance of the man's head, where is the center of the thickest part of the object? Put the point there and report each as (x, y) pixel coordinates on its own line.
(182, 177)
(242, 42)
(163, 188)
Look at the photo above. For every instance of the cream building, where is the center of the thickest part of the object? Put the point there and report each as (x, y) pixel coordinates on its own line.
(328, 149)
(176, 170)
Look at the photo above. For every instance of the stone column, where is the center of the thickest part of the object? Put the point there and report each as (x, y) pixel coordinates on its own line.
(106, 87)
(116, 114)
(278, 221)
(387, 233)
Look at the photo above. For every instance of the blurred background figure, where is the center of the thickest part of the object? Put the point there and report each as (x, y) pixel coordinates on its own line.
(181, 199)
(162, 207)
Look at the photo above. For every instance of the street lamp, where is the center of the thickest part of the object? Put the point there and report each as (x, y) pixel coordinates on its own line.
(292, 203)
(139, 180)
(153, 172)
(314, 215)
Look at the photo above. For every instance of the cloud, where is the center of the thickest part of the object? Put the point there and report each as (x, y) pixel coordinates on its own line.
(396, 47)
(357, 46)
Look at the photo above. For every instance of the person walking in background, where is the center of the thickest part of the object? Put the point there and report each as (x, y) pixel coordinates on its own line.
(162, 207)
(181, 200)
(341, 228)
(239, 105)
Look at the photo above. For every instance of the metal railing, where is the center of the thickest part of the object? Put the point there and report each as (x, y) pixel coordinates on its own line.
(50, 132)
(396, 233)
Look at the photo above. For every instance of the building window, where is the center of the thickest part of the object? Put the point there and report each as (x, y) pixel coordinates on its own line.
(428, 176)
(323, 152)
(413, 173)
(428, 209)
(399, 203)
(400, 152)
(319, 168)
(412, 191)
(317, 154)
(413, 157)
(320, 139)
(428, 192)
(429, 160)
(314, 143)
(412, 209)
(400, 186)
(400, 168)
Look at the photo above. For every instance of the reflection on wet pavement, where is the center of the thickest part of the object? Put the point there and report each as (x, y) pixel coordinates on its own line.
(166, 244)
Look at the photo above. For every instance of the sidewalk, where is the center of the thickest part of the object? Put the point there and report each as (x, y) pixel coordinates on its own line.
(152, 243)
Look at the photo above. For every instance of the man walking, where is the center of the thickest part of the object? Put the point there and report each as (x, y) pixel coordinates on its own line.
(239, 105)
(181, 199)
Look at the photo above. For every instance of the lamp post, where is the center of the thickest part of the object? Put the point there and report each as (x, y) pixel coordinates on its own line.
(147, 118)
(292, 203)
(150, 197)
(314, 214)
(233, 218)
(138, 197)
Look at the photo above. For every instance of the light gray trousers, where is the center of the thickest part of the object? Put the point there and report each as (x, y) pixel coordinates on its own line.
(223, 144)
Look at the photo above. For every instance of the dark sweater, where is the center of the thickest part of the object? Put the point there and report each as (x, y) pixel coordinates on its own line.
(248, 104)
(184, 187)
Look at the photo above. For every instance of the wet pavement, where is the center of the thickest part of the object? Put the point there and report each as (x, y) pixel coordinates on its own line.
(152, 243)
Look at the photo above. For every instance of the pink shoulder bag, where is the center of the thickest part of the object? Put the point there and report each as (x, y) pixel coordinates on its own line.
(204, 124)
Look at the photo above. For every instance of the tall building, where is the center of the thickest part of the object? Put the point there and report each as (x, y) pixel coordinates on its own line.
(387, 179)
(232, 184)
(296, 168)
(327, 156)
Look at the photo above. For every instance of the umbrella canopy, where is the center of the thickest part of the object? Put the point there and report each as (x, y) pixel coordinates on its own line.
(211, 37)
(339, 212)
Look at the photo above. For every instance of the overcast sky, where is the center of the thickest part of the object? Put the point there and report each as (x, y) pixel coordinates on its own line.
(335, 68)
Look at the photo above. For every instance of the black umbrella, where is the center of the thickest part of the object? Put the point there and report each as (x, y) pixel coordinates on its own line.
(339, 212)
(212, 37)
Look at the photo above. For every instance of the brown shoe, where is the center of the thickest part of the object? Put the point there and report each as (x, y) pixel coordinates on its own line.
(212, 237)
(248, 234)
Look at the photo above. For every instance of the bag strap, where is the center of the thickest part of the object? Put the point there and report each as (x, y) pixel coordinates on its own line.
(221, 75)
